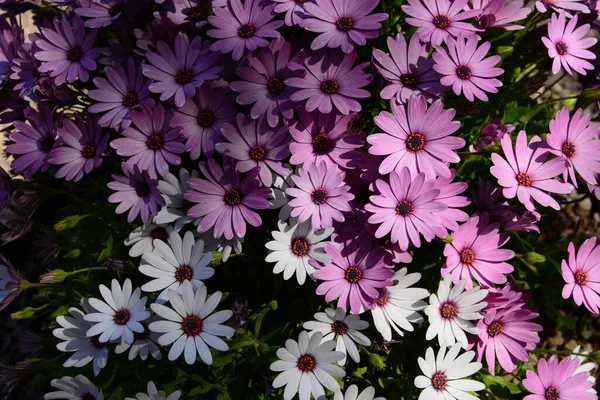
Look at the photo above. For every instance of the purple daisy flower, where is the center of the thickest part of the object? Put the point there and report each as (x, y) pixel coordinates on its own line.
(254, 144)
(554, 379)
(406, 208)
(324, 137)
(177, 75)
(263, 82)
(491, 134)
(33, 142)
(330, 82)
(101, 13)
(407, 70)
(449, 191)
(150, 143)
(500, 13)
(123, 91)
(341, 24)
(25, 71)
(559, 5)
(416, 137)
(320, 194)
(66, 51)
(439, 20)
(11, 39)
(82, 150)
(201, 119)
(567, 45)
(582, 275)
(242, 27)
(224, 201)
(465, 69)
(527, 174)
(193, 13)
(136, 192)
(293, 10)
(354, 277)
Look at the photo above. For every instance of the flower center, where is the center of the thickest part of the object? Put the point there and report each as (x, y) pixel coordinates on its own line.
(191, 325)
(354, 274)
(275, 85)
(232, 197)
(300, 247)
(184, 273)
(318, 196)
(339, 328)
(300, 1)
(344, 24)
(409, 79)
(568, 149)
(448, 311)
(257, 153)
(561, 48)
(463, 72)
(115, 9)
(184, 76)
(245, 31)
(142, 189)
(330, 86)
(159, 233)
(404, 208)
(97, 343)
(581, 277)
(321, 142)
(467, 256)
(154, 142)
(47, 144)
(206, 119)
(494, 329)
(88, 396)
(439, 381)
(383, 299)
(415, 142)
(356, 124)
(306, 363)
(130, 99)
(121, 316)
(552, 393)
(88, 151)
(74, 54)
(441, 21)
(524, 179)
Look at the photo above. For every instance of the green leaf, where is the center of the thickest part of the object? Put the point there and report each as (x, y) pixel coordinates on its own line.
(567, 322)
(491, 381)
(272, 305)
(73, 253)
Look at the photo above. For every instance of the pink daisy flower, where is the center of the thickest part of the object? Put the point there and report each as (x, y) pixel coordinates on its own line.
(558, 5)
(558, 381)
(293, 10)
(475, 251)
(465, 68)
(416, 137)
(353, 278)
(527, 174)
(320, 194)
(500, 14)
(449, 192)
(582, 274)
(567, 45)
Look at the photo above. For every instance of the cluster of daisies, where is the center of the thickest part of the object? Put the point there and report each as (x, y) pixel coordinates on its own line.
(351, 206)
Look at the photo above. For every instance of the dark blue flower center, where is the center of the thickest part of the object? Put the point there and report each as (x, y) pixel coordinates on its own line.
(552, 393)
(143, 335)
(330, 86)
(353, 274)
(184, 76)
(184, 273)
(321, 142)
(415, 142)
(439, 381)
(441, 21)
(74, 54)
(257, 153)
(561, 48)
(463, 72)
(494, 329)
(410, 79)
(568, 149)
(404, 208)
(275, 85)
(130, 99)
(88, 151)
(344, 24)
(142, 189)
(191, 325)
(306, 363)
(245, 31)
(97, 343)
(232, 197)
(47, 144)
(121, 316)
(300, 247)
(318, 196)
(339, 328)
(154, 142)
(206, 119)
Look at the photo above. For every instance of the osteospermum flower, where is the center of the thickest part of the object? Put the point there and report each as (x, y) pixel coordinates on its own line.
(465, 68)
(527, 173)
(341, 26)
(416, 137)
(353, 277)
(11, 40)
(292, 9)
(172, 190)
(177, 75)
(559, 5)
(558, 380)
(574, 140)
(352, 394)
(79, 387)
(567, 45)
(581, 273)
(190, 326)
(439, 20)
(444, 375)
(500, 14)
(144, 344)
(101, 13)
(584, 365)
(449, 195)
(330, 82)
(306, 366)
(154, 394)
(407, 70)
(66, 51)
(452, 311)
(320, 195)
(141, 239)
(243, 26)
(491, 134)
(9, 283)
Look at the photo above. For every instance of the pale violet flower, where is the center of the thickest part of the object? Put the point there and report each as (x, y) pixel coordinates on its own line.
(70, 388)
(144, 344)
(172, 189)
(141, 238)
(352, 394)
(154, 394)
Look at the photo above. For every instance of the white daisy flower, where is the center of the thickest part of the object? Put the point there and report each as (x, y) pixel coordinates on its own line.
(174, 263)
(294, 246)
(278, 198)
(397, 305)
(333, 324)
(452, 310)
(189, 325)
(76, 388)
(73, 332)
(307, 366)
(172, 190)
(142, 237)
(221, 245)
(443, 377)
(119, 315)
(584, 366)
(155, 394)
(144, 343)
(352, 394)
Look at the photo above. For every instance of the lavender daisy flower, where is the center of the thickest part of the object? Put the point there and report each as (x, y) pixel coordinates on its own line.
(342, 26)
(25, 71)
(66, 51)
(254, 144)
(123, 91)
(500, 13)
(150, 143)
(11, 39)
(559, 5)
(101, 13)
(407, 70)
(465, 68)
(136, 192)
(438, 20)
(201, 120)
(330, 82)
(189, 13)
(263, 82)
(33, 142)
(242, 27)
(177, 75)
(293, 10)
(567, 45)
(82, 151)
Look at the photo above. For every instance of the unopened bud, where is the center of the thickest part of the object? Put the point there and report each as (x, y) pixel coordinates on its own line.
(54, 276)
(377, 361)
(534, 258)
(26, 313)
(69, 223)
